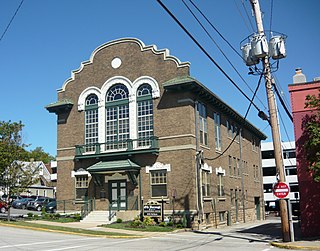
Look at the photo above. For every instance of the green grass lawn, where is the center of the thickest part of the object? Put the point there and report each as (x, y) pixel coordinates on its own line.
(61, 228)
(126, 225)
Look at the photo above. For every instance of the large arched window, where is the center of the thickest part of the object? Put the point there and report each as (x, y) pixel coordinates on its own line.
(91, 122)
(117, 117)
(145, 115)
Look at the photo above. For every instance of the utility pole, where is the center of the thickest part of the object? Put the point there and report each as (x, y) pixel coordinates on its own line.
(274, 125)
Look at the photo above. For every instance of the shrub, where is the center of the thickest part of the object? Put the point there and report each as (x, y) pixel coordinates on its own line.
(76, 216)
(179, 225)
(162, 224)
(30, 215)
(170, 224)
(136, 223)
(148, 221)
(119, 220)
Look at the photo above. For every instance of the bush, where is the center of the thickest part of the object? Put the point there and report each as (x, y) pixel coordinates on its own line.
(30, 215)
(148, 221)
(136, 223)
(179, 225)
(162, 224)
(76, 216)
(119, 220)
(170, 224)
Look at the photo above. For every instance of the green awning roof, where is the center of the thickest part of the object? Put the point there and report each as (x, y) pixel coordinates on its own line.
(60, 106)
(112, 166)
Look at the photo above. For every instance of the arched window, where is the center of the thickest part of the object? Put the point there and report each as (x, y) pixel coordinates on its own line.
(117, 117)
(91, 122)
(145, 115)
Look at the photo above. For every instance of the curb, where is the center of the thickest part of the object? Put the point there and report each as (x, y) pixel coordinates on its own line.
(74, 233)
(292, 246)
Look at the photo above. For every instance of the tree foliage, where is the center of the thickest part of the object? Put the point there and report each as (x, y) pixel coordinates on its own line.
(311, 131)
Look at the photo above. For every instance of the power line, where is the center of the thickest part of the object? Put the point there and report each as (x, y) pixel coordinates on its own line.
(245, 116)
(271, 11)
(206, 53)
(282, 102)
(225, 56)
(5, 31)
(243, 19)
(245, 10)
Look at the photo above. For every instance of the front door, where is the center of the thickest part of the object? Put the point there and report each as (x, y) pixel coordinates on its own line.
(118, 194)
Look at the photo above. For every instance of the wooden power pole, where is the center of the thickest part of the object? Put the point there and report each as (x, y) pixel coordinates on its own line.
(274, 125)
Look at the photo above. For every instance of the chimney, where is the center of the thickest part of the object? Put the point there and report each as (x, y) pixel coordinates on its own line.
(299, 77)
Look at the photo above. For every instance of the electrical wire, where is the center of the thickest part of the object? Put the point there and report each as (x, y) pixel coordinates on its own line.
(207, 54)
(271, 11)
(243, 19)
(237, 133)
(279, 87)
(282, 103)
(225, 56)
(5, 31)
(245, 10)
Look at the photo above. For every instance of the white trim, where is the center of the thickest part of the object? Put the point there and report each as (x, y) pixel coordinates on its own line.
(220, 170)
(206, 167)
(84, 95)
(79, 173)
(158, 166)
(177, 148)
(178, 136)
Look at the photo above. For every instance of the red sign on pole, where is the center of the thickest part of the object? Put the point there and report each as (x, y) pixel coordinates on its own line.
(281, 190)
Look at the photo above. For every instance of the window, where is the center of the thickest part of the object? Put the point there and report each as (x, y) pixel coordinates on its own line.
(221, 216)
(236, 133)
(294, 187)
(217, 131)
(230, 165)
(203, 128)
(269, 171)
(267, 188)
(291, 170)
(238, 166)
(82, 183)
(255, 172)
(117, 117)
(220, 185)
(231, 197)
(205, 183)
(91, 122)
(289, 153)
(145, 115)
(267, 154)
(158, 183)
(234, 166)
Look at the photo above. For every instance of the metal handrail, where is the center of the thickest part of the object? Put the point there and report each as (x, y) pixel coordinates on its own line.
(87, 208)
(112, 213)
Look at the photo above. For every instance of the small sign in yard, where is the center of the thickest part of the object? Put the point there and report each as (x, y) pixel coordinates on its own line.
(152, 210)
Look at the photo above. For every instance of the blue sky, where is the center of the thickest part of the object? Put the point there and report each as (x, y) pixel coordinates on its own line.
(48, 39)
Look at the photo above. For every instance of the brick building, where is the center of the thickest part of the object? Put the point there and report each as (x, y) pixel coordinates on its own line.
(134, 127)
(309, 189)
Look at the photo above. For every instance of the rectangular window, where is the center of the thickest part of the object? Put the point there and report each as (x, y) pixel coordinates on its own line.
(82, 183)
(236, 133)
(238, 166)
(291, 170)
(230, 165)
(231, 197)
(203, 127)
(145, 122)
(217, 131)
(221, 216)
(91, 129)
(205, 183)
(234, 166)
(220, 185)
(158, 181)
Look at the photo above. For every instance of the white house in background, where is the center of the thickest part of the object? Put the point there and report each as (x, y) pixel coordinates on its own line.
(269, 174)
(44, 186)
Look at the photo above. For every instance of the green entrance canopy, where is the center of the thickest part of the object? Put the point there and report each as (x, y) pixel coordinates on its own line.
(113, 166)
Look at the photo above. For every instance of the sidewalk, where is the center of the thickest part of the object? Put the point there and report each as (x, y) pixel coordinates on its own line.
(268, 231)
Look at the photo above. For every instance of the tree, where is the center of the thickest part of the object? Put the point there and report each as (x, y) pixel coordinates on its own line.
(38, 154)
(14, 176)
(311, 132)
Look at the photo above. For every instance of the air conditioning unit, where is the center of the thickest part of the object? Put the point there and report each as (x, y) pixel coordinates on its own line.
(277, 48)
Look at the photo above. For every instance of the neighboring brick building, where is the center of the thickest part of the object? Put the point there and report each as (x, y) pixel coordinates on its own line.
(309, 190)
(127, 134)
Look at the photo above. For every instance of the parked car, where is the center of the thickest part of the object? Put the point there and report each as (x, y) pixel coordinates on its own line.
(3, 206)
(51, 207)
(22, 203)
(39, 203)
(11, 198)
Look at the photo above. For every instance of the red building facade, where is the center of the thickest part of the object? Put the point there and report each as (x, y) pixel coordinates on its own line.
(309, 190)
